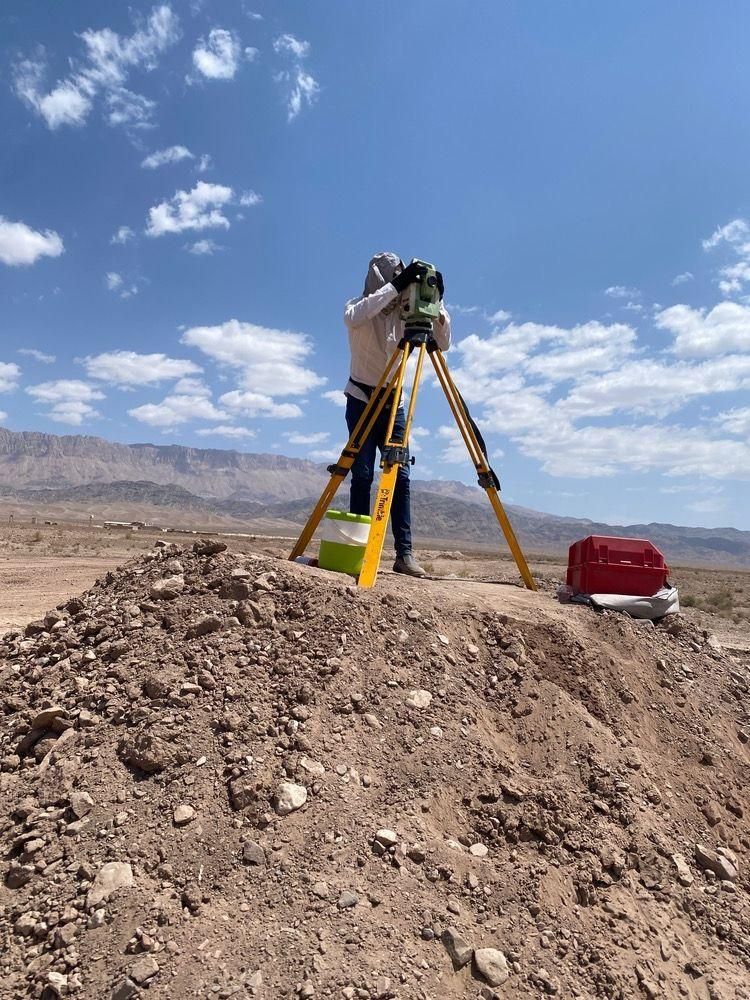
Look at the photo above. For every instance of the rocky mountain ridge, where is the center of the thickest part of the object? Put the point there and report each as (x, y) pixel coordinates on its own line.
(111, 480)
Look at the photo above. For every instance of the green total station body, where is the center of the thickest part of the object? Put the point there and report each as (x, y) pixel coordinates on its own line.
(421, 301)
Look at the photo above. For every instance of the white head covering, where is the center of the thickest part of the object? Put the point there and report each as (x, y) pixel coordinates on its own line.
(380, 271)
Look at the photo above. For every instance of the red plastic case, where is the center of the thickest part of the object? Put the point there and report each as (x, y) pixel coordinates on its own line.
(601, 564)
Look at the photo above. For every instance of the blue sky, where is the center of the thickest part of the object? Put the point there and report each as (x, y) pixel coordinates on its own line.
(190, 191)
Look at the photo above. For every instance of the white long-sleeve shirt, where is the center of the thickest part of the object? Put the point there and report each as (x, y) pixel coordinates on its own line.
(375, 333)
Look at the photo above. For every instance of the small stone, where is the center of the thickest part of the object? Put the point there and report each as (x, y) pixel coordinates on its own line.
(183, 815)
(209, 547)
(684, 875)
(46, 717)
(110, 878)
(459, 950)
(347, 900)
(479, 850)
(289, 797)
(386, 838)
(253, 854)
(124, 990)
(24, 925)
(81, 804)
(58, 983)
(143, 969)
(167, 589)
(717, 862)
(320, 889)
(491, 965)
(313, 767)
(418, 699)
(372, 721)
(254, 982)
(205, 626)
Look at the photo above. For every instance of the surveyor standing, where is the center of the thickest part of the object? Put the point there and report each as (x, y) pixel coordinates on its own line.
(375, 331)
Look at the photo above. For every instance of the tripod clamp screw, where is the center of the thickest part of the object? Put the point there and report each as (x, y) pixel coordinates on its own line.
(396, 454)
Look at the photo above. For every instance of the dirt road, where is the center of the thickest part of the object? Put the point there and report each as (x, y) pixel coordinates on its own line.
(30, 586)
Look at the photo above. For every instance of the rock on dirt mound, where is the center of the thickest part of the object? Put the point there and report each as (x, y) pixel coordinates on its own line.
(229, 776)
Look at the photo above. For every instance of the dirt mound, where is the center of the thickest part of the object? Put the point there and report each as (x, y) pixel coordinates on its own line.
(233, 776)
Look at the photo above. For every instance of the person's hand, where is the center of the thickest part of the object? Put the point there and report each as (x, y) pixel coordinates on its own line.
(440, 284)
(411, 273)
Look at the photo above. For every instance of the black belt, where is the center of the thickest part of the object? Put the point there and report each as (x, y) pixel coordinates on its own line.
(368, 390)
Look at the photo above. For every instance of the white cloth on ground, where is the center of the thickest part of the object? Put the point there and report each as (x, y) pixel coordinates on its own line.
(664, 602)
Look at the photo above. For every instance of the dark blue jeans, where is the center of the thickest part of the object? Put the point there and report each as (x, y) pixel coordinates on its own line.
(363, 472)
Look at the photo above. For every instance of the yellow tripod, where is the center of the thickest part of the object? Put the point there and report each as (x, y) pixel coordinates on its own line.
(395, 453)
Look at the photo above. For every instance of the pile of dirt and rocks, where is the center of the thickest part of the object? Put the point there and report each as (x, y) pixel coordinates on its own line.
(227, 775)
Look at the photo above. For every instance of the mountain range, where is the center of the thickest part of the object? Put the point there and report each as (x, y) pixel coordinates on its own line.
(77, 474)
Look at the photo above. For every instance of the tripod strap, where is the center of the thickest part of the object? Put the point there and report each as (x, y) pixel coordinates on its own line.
(493, 480)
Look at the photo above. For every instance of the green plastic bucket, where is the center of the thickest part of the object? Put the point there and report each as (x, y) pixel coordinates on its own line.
(343, 541)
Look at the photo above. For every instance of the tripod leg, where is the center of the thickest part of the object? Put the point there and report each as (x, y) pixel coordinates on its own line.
(480, 463)
(364, 425)
(387, 484)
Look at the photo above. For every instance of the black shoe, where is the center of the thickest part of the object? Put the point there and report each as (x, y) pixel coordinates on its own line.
(408, 564)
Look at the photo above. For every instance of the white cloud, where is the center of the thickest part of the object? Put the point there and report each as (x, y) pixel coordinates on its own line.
(736, 235)
(304, 90)
(219, 56)
(301, 87)
(710, 505)
(335, 396)
(248, 199)
(257, 404)
(324, 454)
(3, 416)
(227, 431)
(681, 279)
(621, 292)
(454, 452)
(266, 358)
(735, 421)
(515, 380)
(129, 109)
(606, 451)
(295, 437)
(201, 208)
(161, 157)
(123, 235)
(589, 346)
(203, 248)
(69, 400)
(190, 400)
(65, 104)
(735, 277)
(108, 60)
(21, 245)
(499, 316)
(10, 373)
(292, 45)
(204, 163)
(699, 333)
(496, 317)
(736, 231)
(32, 352)
(655, 387)
(116, 283)
(128, 369)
